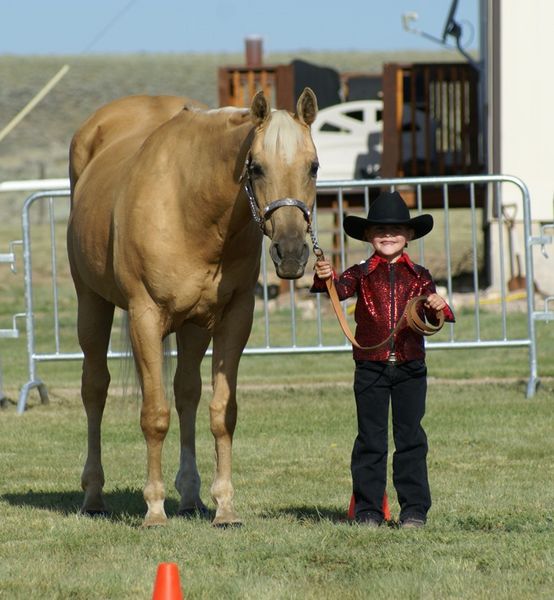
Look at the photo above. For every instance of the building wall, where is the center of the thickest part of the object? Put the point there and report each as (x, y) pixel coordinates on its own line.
(526, 121)
(518, 53)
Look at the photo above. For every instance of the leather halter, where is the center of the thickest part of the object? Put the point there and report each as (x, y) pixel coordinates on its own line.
(261, 216)
(410, 315)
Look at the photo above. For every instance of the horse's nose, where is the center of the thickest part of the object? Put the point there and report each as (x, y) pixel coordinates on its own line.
(290, 257)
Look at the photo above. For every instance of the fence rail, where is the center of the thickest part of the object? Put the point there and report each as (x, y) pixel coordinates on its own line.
(318, 333)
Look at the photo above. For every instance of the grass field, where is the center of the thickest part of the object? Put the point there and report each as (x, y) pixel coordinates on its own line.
(490, 532)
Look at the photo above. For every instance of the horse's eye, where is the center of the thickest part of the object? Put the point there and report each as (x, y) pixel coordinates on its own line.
(255, 170)
(313, 169)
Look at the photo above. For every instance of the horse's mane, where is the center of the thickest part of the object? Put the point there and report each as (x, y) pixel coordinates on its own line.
(282, 135)
(223, 110)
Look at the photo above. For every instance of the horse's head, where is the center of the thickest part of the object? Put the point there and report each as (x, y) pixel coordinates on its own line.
(280, 179)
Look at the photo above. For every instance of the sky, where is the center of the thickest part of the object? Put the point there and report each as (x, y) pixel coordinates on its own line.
(220, 26)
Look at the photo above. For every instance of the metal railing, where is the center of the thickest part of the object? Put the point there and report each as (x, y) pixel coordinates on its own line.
(318, 338)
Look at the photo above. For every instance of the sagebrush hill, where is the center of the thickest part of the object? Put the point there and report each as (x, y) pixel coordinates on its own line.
(38, 146)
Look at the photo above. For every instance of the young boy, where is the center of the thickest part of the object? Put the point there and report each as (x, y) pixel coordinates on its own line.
(394, 372)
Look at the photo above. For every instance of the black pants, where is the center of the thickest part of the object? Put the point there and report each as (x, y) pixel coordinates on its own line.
(405, 385)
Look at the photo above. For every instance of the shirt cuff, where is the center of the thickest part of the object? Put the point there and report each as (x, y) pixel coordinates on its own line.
(318, 286)
(431, 315)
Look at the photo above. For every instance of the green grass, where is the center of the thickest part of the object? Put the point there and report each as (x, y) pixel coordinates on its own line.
(490, 532)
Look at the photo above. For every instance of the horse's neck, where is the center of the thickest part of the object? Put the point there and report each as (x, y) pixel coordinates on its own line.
(212, 163)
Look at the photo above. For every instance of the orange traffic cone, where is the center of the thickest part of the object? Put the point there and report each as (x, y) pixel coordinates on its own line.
(167, 585)
(352, 508)
(386, 508)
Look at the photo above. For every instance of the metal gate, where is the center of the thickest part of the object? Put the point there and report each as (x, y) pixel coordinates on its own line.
(295, 321)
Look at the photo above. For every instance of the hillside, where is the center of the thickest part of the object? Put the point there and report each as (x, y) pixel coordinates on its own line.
(38, 146)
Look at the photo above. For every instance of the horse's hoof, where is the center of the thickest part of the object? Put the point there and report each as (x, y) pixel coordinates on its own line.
(154, 520)
(226, 520)
(96, 513)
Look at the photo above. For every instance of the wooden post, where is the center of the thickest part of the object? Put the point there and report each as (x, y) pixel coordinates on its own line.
(284, 88)
(392, 108)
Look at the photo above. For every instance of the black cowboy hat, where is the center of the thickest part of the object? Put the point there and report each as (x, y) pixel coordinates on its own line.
(388, 209)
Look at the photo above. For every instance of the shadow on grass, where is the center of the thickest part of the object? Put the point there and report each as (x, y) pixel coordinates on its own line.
(128, 504)
(308, 514)
(123, 503)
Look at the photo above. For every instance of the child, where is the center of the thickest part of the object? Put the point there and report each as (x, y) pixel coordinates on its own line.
(384, 284)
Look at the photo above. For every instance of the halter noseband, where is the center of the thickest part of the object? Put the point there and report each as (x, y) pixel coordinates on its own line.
(262, 216)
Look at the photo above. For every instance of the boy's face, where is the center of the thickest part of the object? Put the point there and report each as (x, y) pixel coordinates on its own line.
(389, 241)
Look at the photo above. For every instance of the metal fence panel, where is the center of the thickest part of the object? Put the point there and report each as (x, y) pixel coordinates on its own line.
(295, 321)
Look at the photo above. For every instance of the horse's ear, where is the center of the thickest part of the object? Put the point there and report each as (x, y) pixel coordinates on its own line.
(260, 108)
(306, 107)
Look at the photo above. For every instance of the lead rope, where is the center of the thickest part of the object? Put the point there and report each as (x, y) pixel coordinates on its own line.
(410, 314)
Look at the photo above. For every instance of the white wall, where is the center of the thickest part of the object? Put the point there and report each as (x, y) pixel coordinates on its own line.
(526, 101)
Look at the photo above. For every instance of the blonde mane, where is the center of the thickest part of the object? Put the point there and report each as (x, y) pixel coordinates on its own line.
(283, 135)
(226, 109)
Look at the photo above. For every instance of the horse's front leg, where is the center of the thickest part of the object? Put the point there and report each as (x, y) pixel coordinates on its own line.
(146, 330)
(230, 337)
(192, 343)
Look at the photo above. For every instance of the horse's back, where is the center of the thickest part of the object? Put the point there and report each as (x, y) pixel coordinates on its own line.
(125, 117)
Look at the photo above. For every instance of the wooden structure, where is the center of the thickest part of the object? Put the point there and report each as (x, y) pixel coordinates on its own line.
(430, 120)
(431, 123)
(238, 84)
(431, 126)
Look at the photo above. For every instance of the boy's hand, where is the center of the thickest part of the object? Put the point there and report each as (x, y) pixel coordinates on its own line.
(323, 269)
(435, 302)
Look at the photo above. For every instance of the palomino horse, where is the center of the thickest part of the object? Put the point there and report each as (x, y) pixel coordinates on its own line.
(161, 225)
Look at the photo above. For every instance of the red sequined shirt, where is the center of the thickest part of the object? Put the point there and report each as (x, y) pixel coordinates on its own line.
(383, 290)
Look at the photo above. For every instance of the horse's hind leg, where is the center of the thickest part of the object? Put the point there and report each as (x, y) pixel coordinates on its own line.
(94, 323)
(192, 342)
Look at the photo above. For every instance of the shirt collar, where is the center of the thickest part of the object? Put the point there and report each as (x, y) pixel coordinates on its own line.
(375, 260)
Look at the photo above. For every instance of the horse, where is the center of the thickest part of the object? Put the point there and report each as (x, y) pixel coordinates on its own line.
(117, 119)
(169, 205)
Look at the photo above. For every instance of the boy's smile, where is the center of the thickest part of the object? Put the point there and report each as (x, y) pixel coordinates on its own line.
(389, 241)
